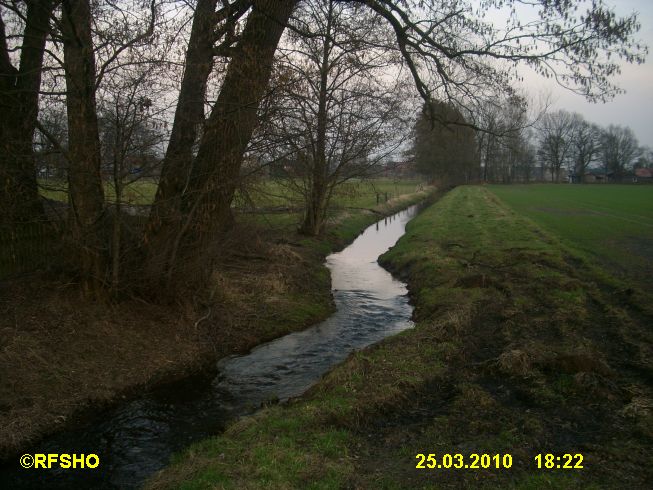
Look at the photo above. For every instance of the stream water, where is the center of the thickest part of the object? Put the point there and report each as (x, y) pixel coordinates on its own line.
(137, 439)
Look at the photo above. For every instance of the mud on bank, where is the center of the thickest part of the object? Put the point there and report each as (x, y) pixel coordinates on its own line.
(519, 348)
(64, 359)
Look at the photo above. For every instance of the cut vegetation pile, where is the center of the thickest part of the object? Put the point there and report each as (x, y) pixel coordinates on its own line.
(520, 348)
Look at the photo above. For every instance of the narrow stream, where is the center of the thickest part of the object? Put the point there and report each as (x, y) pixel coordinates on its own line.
(138, 438)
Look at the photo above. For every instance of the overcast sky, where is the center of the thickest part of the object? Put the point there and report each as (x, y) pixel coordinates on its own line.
(635, 107)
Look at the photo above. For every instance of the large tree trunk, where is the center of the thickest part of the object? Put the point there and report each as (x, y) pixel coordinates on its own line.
(315, 213)
(86, 216)
(19, 200)
(166, 216)
(216, 170)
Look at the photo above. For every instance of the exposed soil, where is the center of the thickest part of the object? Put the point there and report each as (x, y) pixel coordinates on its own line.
(639, 265)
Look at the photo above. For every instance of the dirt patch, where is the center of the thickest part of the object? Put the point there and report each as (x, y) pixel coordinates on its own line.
(637, 259)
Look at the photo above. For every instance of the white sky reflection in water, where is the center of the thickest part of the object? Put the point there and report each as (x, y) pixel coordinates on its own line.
(371, 305)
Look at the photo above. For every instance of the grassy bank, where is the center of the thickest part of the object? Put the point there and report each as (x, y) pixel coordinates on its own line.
(517, 350)
(62, 356)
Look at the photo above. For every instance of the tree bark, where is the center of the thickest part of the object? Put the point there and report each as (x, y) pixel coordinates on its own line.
(216, 170)
(165, 216)
(86, 213)
(19, 199)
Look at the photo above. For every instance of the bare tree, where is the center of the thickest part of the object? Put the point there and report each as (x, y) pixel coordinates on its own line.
(51, 163)
(645, 160)
(86, 193)
(131, 136)
(213, 34)
(555, 142)
(585, 145)
(212, 175)
(503, 138)
(619, 150)
(337, 119)
(527, 157)
(85, 189)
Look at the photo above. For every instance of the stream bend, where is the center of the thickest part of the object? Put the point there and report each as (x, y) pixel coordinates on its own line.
(137, 439)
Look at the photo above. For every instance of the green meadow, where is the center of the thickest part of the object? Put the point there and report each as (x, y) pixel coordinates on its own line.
(260, 193)
(612, 225)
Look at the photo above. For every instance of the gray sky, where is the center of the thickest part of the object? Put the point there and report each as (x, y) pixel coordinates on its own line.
(635, 107)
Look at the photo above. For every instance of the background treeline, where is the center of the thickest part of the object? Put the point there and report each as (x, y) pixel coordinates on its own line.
(506, 142)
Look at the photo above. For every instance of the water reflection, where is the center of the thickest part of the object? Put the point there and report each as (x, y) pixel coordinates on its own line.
(370, 304)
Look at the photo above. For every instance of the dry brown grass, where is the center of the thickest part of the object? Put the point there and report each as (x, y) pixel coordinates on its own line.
(515, 362)
(61, 354)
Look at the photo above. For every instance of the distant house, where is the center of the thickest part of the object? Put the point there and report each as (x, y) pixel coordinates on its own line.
(596, 176)
(625, 177)
(590, 177)
(599, 176)
(643, 175)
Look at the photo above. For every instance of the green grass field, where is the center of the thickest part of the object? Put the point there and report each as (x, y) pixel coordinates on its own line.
(264, 193)
(353, 196)
(139, 192)
(612, 225)
(269, 203)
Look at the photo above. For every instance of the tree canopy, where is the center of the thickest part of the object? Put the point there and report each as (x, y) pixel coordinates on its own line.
(445, 153)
